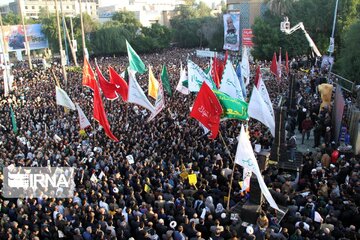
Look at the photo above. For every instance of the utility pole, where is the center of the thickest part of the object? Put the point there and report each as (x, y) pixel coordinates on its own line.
(63, 24)
(27, 46)
(60, 43)
(85, 53)
(332, 40)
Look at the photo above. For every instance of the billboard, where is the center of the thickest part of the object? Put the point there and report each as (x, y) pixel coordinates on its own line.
(247, 36)
(15, 37)
(231, 32)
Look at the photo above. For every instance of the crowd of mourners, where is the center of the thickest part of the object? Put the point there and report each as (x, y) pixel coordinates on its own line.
(323, 202)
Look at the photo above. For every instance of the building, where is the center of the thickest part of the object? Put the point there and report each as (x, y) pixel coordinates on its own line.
(146, 11)
(4, 9)
(32, 8)
(248, 9)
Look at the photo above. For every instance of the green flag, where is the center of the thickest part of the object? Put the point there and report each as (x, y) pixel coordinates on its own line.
(134, 60)
(165, 80)
(13, 120)
(233, 108)
(207, 70)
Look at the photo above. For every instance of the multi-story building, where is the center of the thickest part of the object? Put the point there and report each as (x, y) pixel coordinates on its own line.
(146, 11)
(4, 9)
(31, 8)
(248, 9)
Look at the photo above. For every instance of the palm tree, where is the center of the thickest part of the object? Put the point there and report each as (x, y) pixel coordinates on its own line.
(280, 7)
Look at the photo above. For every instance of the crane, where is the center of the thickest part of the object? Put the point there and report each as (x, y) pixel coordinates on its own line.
(285, 28)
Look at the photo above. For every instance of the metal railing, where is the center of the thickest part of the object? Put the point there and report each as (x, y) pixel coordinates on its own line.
(346, 84)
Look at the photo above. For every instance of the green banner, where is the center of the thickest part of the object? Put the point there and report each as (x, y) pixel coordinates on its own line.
(233, 108)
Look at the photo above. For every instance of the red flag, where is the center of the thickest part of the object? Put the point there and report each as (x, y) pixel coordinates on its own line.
(273, 67)
(108, 89)
(225, 58)
(100, 114)
(88, 75)
(287, 63)
(257, 76)
(215, 72)
(121, 84)
(207, 110)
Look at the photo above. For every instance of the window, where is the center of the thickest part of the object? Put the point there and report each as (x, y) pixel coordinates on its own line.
(26, 7)
(32, 7)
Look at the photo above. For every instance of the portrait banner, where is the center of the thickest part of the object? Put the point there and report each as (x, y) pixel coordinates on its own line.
(231, 32)
(15, 37)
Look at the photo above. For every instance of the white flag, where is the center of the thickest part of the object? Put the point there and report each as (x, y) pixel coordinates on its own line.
(84, 122)
(245, 157)
(265, 95)
(136, 94)
(93, 178)
(160, 102)
(259, 110)
(245, 67)
(196, 77)
(183, 77)
(279, 65)
(6, 84)
(230, 83)
(206, 130)
(63, 99)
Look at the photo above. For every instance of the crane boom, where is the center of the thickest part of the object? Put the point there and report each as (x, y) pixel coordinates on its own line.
(285, 27)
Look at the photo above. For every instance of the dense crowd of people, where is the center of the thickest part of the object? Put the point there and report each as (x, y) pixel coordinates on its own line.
(323, 202)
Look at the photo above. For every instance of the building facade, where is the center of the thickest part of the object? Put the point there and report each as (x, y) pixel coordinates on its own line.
(146, 11)
(4, 9)
(249, 10)
(32, 8)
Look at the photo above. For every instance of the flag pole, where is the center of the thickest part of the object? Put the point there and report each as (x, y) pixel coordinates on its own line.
(82, 31)
(232, 174)
(70, 44)
(230, 187)
(5, 53)
(27, 46)
(60, 43)
(226, 147)
(278, 73)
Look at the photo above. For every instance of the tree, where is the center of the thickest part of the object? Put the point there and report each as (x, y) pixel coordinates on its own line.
(127, 19)
(110, 40)
(11, 19)
(185, 32)
(48, 27)
(192, 9)
(348, 64)
(280, 7)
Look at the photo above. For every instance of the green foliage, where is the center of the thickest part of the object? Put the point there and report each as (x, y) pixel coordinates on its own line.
(195, 27)
(127, 19)
(49, 29)
(280, 7)
(348, 64)
(268, 38)
(185, 32)
(317, 17)
(11, 19)
(109, 40)
(151, 39)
